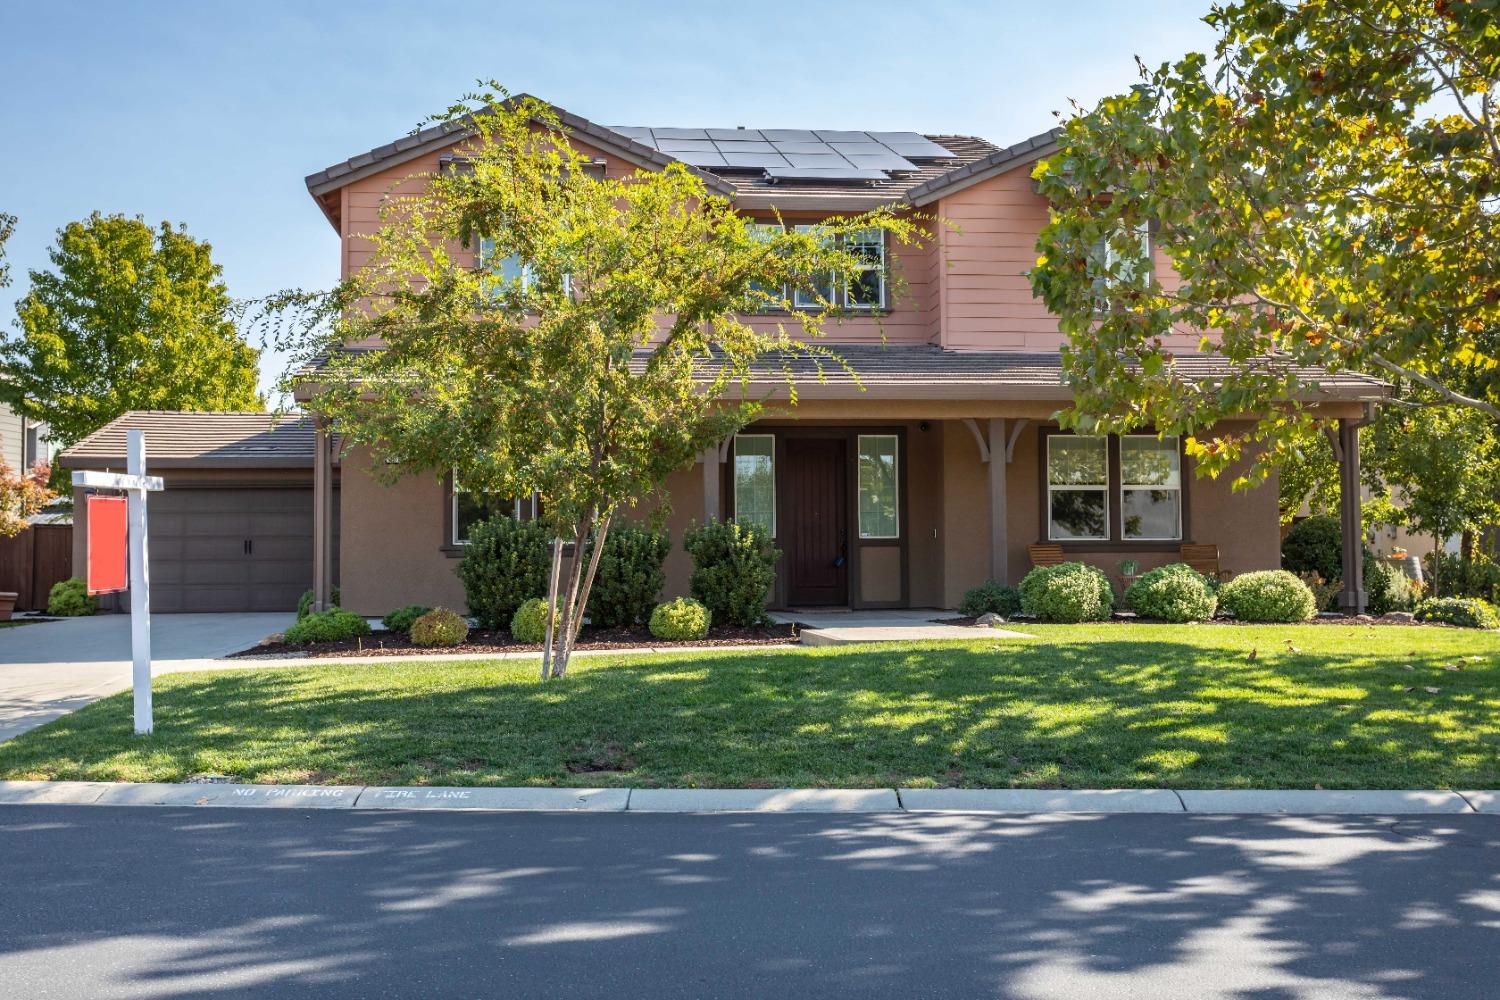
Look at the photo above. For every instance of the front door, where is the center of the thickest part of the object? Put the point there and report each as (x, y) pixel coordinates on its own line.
(815, 529)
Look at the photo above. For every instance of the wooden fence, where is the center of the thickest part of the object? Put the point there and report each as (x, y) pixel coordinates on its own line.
(33, 561)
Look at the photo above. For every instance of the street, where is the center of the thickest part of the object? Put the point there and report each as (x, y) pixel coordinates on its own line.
(142, 902)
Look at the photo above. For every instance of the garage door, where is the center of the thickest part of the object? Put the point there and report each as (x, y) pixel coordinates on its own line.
(230, 549)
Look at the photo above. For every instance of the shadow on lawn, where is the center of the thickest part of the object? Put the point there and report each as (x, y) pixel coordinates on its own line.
(288, 903)
(1101, 713)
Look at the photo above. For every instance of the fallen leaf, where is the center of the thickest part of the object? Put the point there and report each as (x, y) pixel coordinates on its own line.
(1251, 655)
(1408, 667)
(1431, 690)
(1453, 666)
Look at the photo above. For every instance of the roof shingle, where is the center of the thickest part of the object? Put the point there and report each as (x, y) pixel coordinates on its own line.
(201, 440)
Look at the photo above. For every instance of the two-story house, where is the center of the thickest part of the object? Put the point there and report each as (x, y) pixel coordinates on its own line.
(942, 470)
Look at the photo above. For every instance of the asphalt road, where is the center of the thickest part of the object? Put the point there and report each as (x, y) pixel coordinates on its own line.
(121, 902)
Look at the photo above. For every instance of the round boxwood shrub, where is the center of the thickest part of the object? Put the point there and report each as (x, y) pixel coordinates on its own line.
(71, 598)
(401, 619)
(505, 564)
(332, 625)
(990, 598)
(683, 618)
(1068, 592)
(1272, 595)
(304, 603)
(734, 566)
(1175, 593)
(629, 578)
(1470, 612)
(529, 623)
(1315, 545)
(439, 627)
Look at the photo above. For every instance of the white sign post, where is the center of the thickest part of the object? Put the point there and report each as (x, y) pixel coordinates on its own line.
(136, 485)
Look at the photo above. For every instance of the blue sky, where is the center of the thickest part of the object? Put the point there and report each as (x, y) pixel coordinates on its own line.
(211, 114)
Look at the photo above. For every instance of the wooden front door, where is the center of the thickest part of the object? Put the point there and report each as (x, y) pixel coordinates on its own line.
(815, 529)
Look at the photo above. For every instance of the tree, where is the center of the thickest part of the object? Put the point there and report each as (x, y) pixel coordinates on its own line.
(7, 228)
(22, 494)
(603, 340)
(126, 318)
(1324, 189)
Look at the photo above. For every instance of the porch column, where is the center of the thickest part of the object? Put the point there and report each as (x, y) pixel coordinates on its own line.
(999, 540)
(711, 508)
(1352, 597)
(322, 517)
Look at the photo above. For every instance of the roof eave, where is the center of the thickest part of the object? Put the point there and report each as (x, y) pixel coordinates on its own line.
(978, 171)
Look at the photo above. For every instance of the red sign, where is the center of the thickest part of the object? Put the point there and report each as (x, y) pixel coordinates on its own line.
(106, 544)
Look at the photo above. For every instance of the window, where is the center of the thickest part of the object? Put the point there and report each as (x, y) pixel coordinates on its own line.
(508, 269)
(469, 508)
(1150, 487)
(819, 288)
(879, 487)
(866, 286)
(755, 480)
(1112, 269)
(766, 232)
(1077, 487)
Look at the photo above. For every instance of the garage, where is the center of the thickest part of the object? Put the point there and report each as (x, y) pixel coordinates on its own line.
(233, 530)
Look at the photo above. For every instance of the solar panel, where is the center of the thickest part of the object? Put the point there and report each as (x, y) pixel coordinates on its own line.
(824, 174)
(791, 153)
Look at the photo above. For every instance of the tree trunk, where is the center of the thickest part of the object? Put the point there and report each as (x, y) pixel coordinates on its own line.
(551, 605)
(1437, 564)
(581, 599)
(570, 609)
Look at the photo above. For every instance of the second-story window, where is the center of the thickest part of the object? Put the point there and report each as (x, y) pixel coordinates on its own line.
(865, 288)
(818, 290)
(765, 232)
(509, 268)
(1123, 261)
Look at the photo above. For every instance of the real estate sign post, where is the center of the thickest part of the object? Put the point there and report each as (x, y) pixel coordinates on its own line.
(135, 484)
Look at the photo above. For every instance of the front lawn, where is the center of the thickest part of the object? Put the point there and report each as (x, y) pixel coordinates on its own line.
(1080, 706)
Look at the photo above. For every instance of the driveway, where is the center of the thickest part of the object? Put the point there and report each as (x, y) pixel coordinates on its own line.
(52, 668)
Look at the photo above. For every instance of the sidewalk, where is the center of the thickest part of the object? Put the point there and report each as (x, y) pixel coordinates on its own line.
(1016, 801)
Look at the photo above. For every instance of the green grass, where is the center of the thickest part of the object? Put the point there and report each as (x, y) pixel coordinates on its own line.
(1081, 706)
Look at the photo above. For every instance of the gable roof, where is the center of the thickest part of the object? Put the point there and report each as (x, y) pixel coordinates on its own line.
(200, 440)
(973, 160)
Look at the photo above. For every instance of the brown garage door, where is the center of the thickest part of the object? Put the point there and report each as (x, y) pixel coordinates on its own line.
(230, 549)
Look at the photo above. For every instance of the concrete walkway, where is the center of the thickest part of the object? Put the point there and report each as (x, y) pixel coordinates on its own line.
(49, 669)
(837, 628)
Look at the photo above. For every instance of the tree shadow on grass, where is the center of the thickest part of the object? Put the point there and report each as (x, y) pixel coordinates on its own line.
(1096, 713)
(210, 902)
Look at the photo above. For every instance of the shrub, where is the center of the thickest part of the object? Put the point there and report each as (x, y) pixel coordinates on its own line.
(304, 603)
(1470, 612)
(990, 598)
(327, 626)
(529, 623)
(629, 578)
(439, 627)
(1175, 593)
(1068, 592)
(401, 619)
(1325, 594)
(1387, 589)
(734, 566)
(1272, 595)
(70, 599)
(683, 618)
(1452, 576)
(1315, 545)
(505, 564)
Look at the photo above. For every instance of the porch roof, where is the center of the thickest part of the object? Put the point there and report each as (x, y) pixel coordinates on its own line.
(915, 371)
(200, 440)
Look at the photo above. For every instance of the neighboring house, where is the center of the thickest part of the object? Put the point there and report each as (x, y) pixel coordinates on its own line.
(936, 476)
(22, 441)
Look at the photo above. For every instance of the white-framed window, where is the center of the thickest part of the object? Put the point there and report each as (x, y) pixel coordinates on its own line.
(1077, 487)
(1110, 268)
(469, 507)
(819, 288)
(509, 268)
(755, 480)
(879, 486)
(766, 232)
(1150, 488)
(865, 288)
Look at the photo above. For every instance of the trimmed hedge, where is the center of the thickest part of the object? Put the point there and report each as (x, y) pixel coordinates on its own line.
(1068, 592)
(734, 566)
(1174, 593)
(401, 619)
(1470, 612)
(629, 578)
(990, 598)
(332, 625)
(683, 618)
(529, 623)
(505, 564)
(440, 627)
(71, 599)
(1272, 595)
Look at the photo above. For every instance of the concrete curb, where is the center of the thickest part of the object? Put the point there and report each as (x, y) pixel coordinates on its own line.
(1012, 801)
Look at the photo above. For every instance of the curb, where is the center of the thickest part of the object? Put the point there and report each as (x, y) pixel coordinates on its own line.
(1032, 801)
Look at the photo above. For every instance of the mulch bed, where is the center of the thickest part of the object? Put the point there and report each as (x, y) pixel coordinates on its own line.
(385, 643)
